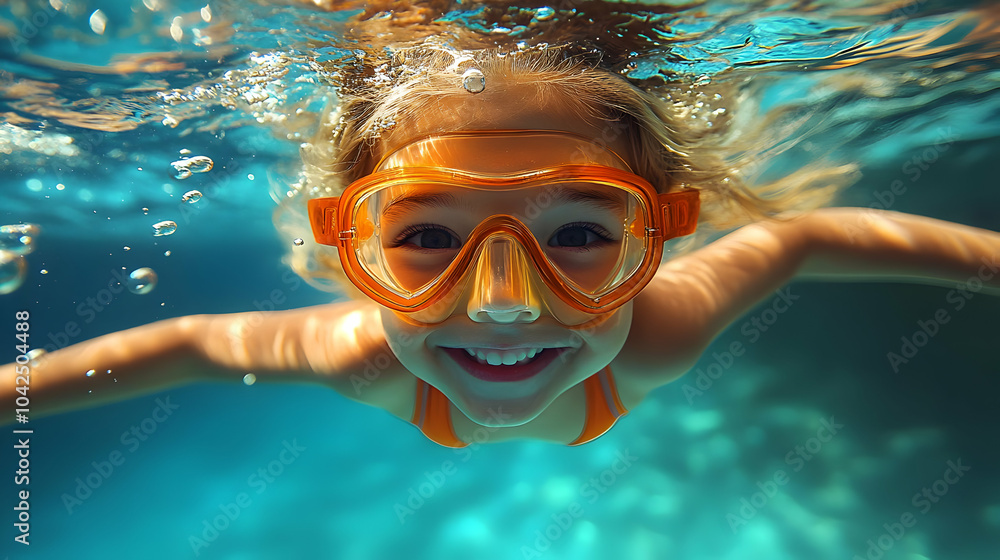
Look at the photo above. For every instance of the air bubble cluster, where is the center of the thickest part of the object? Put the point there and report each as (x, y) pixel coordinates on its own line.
(184, 168)
(18, 238)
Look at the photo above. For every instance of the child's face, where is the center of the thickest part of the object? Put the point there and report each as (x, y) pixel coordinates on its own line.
(572, 348)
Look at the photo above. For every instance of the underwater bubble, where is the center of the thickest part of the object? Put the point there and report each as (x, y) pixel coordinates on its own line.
(166, 253)
(249, 379)
(43, 271)
(544, 13)
(60, 187)
(176, 32)
(169, 121)
(142, 281)
(185, 151)
(13, 270)
(166, 227)
(18, 238)
(191, 197)
(297, 242)
(145, 211)
(33, 185)
(98, 22)
(473, 81)
(90, 373)
(183, 168)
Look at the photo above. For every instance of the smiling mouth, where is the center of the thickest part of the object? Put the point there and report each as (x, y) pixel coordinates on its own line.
(503, 365)
(496, 357)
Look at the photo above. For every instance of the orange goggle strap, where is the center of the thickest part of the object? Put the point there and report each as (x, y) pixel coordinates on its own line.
(677, 216)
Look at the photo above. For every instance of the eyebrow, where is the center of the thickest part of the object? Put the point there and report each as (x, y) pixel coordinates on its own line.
(598, 198)
(406, 202)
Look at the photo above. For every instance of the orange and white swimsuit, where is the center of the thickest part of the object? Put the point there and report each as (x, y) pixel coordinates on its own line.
(432, 413)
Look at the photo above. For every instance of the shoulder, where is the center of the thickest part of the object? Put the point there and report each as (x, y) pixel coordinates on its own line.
(668, 334)
(347, 343)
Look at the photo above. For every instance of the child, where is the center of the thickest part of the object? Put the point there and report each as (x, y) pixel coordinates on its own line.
(500, 218)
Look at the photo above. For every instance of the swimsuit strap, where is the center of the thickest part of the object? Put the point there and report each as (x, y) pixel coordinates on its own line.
(432, 416)
(432, 411)
(604, 407)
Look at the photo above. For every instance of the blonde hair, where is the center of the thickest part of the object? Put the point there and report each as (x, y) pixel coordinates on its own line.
(679, 134)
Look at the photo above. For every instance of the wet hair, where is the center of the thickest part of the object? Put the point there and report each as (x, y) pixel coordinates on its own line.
(693, 134)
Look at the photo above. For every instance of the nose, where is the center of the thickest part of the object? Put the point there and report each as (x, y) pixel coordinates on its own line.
(502, 290)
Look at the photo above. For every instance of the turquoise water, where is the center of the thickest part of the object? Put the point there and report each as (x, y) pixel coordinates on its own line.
(704, 469)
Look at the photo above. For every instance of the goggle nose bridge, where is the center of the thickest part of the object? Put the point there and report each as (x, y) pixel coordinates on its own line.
(502, 276)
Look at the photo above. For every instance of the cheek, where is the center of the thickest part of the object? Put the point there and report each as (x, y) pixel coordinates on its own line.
(610, 336)
(407, 341)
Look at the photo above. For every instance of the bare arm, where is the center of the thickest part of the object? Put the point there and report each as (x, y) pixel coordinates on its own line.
(862, 244)
(319, 344)
(140, 360)
(693, 298)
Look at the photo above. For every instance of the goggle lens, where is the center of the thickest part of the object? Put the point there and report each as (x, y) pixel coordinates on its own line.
(410, 234)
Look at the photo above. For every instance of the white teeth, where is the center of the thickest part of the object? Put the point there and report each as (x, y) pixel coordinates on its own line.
(495, 357)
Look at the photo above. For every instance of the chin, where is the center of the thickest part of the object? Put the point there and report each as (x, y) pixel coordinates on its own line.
(501, 413)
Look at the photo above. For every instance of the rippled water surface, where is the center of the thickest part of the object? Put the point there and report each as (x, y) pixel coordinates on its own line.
(142, 147)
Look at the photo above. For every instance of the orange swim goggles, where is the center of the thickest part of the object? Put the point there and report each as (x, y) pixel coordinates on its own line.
(505, 208)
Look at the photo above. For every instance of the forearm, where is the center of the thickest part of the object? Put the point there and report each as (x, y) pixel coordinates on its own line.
(125, 364)
(863, 244)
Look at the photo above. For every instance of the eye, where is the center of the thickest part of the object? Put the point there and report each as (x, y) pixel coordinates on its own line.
(428, 237)
(580, 235)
